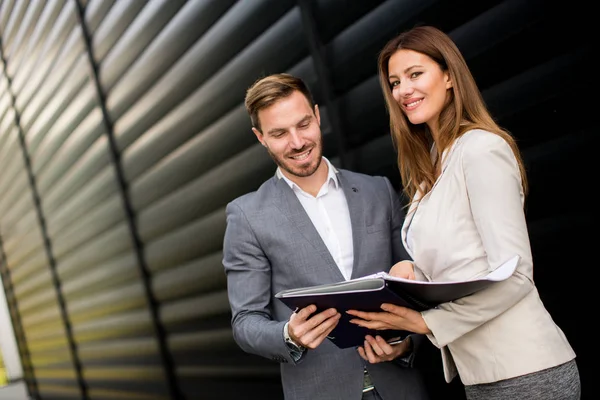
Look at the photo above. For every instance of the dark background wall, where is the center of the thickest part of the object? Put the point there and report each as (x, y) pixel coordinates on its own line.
(123, 136)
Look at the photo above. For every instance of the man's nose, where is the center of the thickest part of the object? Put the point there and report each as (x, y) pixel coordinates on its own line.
(296, 141)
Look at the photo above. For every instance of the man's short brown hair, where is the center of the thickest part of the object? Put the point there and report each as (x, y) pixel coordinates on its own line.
(266, 91)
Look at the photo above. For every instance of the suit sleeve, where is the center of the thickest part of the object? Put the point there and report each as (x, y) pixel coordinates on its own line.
(495, 194)
(398, 251)
(249, 288)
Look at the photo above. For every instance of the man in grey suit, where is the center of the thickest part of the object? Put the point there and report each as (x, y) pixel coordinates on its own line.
(311, 224)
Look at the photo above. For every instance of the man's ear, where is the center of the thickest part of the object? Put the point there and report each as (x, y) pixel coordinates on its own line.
(259, 136)
(317, 114)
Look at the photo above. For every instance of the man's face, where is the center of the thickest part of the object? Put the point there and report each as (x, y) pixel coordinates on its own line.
(291, 133)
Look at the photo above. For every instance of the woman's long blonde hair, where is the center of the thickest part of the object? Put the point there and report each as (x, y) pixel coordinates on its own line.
(464, 111)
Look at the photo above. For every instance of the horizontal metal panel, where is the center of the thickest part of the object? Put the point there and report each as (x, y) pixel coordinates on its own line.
(90, 226)
(92, 172)
(41, 278)
(191, 22)
(50, 391)
(49, 331)
(61, 30)
(95, 12)
(59, 358)
(5, 13)
(9, 150)
(195, 277)
(22, 69)
(114, 25)
(104, 276)
(199, 307)
(72, 133)
(359, 43)
(41, 297)
(537, 84)
(12, 25)
(202, 62)
(24, 236)
(42, 316)
(111, 302)
(17, 190)
(125, 325)
(11, 161)
(116, 349)
(61, 99)
(329, 21)
(29, 267)
(59, 343)
(100, 188)
(138, 36)
(199, 341)
(496, 25)
(199, 238)
(210, 191)
(226, 137)
(108, 245)
(13, 51)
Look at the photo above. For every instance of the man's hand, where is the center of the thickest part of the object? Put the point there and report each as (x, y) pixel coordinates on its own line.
(377, 350)
(310, 331)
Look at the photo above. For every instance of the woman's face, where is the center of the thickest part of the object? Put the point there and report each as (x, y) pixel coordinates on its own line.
(419, 86)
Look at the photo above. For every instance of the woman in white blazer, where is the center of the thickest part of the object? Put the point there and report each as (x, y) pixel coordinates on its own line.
(467, 183)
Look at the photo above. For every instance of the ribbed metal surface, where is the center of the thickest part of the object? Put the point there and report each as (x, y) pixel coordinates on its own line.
(123, 136)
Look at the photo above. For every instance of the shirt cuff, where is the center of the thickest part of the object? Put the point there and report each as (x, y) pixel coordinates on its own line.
(296, 351)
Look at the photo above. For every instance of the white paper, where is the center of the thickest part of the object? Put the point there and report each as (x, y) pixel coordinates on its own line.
(501, 273)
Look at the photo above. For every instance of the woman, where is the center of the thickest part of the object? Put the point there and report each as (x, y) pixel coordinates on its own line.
(467, 183)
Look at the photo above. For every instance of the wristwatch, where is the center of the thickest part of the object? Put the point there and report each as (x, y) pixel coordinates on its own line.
(290, 342)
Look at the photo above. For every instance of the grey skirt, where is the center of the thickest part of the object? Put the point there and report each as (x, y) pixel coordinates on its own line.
(556, 383)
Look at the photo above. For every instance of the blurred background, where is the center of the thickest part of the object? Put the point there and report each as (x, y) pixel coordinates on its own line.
(123, 136)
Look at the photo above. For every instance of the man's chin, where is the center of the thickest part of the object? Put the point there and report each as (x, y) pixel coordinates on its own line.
(301, 172)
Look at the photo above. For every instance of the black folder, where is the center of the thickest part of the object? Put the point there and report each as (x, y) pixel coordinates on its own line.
(369, 292)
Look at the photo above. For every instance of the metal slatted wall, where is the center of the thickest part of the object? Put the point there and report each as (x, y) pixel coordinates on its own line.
(123, 136)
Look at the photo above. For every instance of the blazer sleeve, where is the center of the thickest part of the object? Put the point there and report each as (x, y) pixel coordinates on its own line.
(249, 288)
(495, 193)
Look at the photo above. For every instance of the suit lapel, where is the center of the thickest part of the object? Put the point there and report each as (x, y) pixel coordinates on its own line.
(357, 216)
(289, 205)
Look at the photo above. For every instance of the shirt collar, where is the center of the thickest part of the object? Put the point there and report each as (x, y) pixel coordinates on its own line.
(331, 175)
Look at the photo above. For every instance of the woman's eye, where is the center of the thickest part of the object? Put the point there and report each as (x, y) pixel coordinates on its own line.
(394, 84)
(415, 75)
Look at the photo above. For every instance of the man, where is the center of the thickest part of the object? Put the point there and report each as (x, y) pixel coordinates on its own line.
(310, 224)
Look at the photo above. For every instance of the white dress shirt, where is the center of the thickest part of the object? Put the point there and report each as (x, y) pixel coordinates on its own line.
(328, 212)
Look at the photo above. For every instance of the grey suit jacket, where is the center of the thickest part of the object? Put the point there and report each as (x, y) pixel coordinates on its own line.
(271, 245)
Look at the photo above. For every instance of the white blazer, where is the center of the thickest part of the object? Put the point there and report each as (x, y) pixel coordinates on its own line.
(466, 226)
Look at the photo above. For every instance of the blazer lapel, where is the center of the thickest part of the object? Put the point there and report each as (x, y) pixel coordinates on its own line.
(289, 205)
(357, 216)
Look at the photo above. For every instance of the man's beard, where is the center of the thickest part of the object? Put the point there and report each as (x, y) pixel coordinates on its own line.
(304, 171)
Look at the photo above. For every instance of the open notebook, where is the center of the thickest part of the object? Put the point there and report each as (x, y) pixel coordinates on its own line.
(369, 292)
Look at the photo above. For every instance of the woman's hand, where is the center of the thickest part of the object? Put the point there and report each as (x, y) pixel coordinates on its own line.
(393, 317)
(377, 350)
(403, 269)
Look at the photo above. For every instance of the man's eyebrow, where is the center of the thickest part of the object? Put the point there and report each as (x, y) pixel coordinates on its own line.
(280, 130)
(306, 118)
(275, 130)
